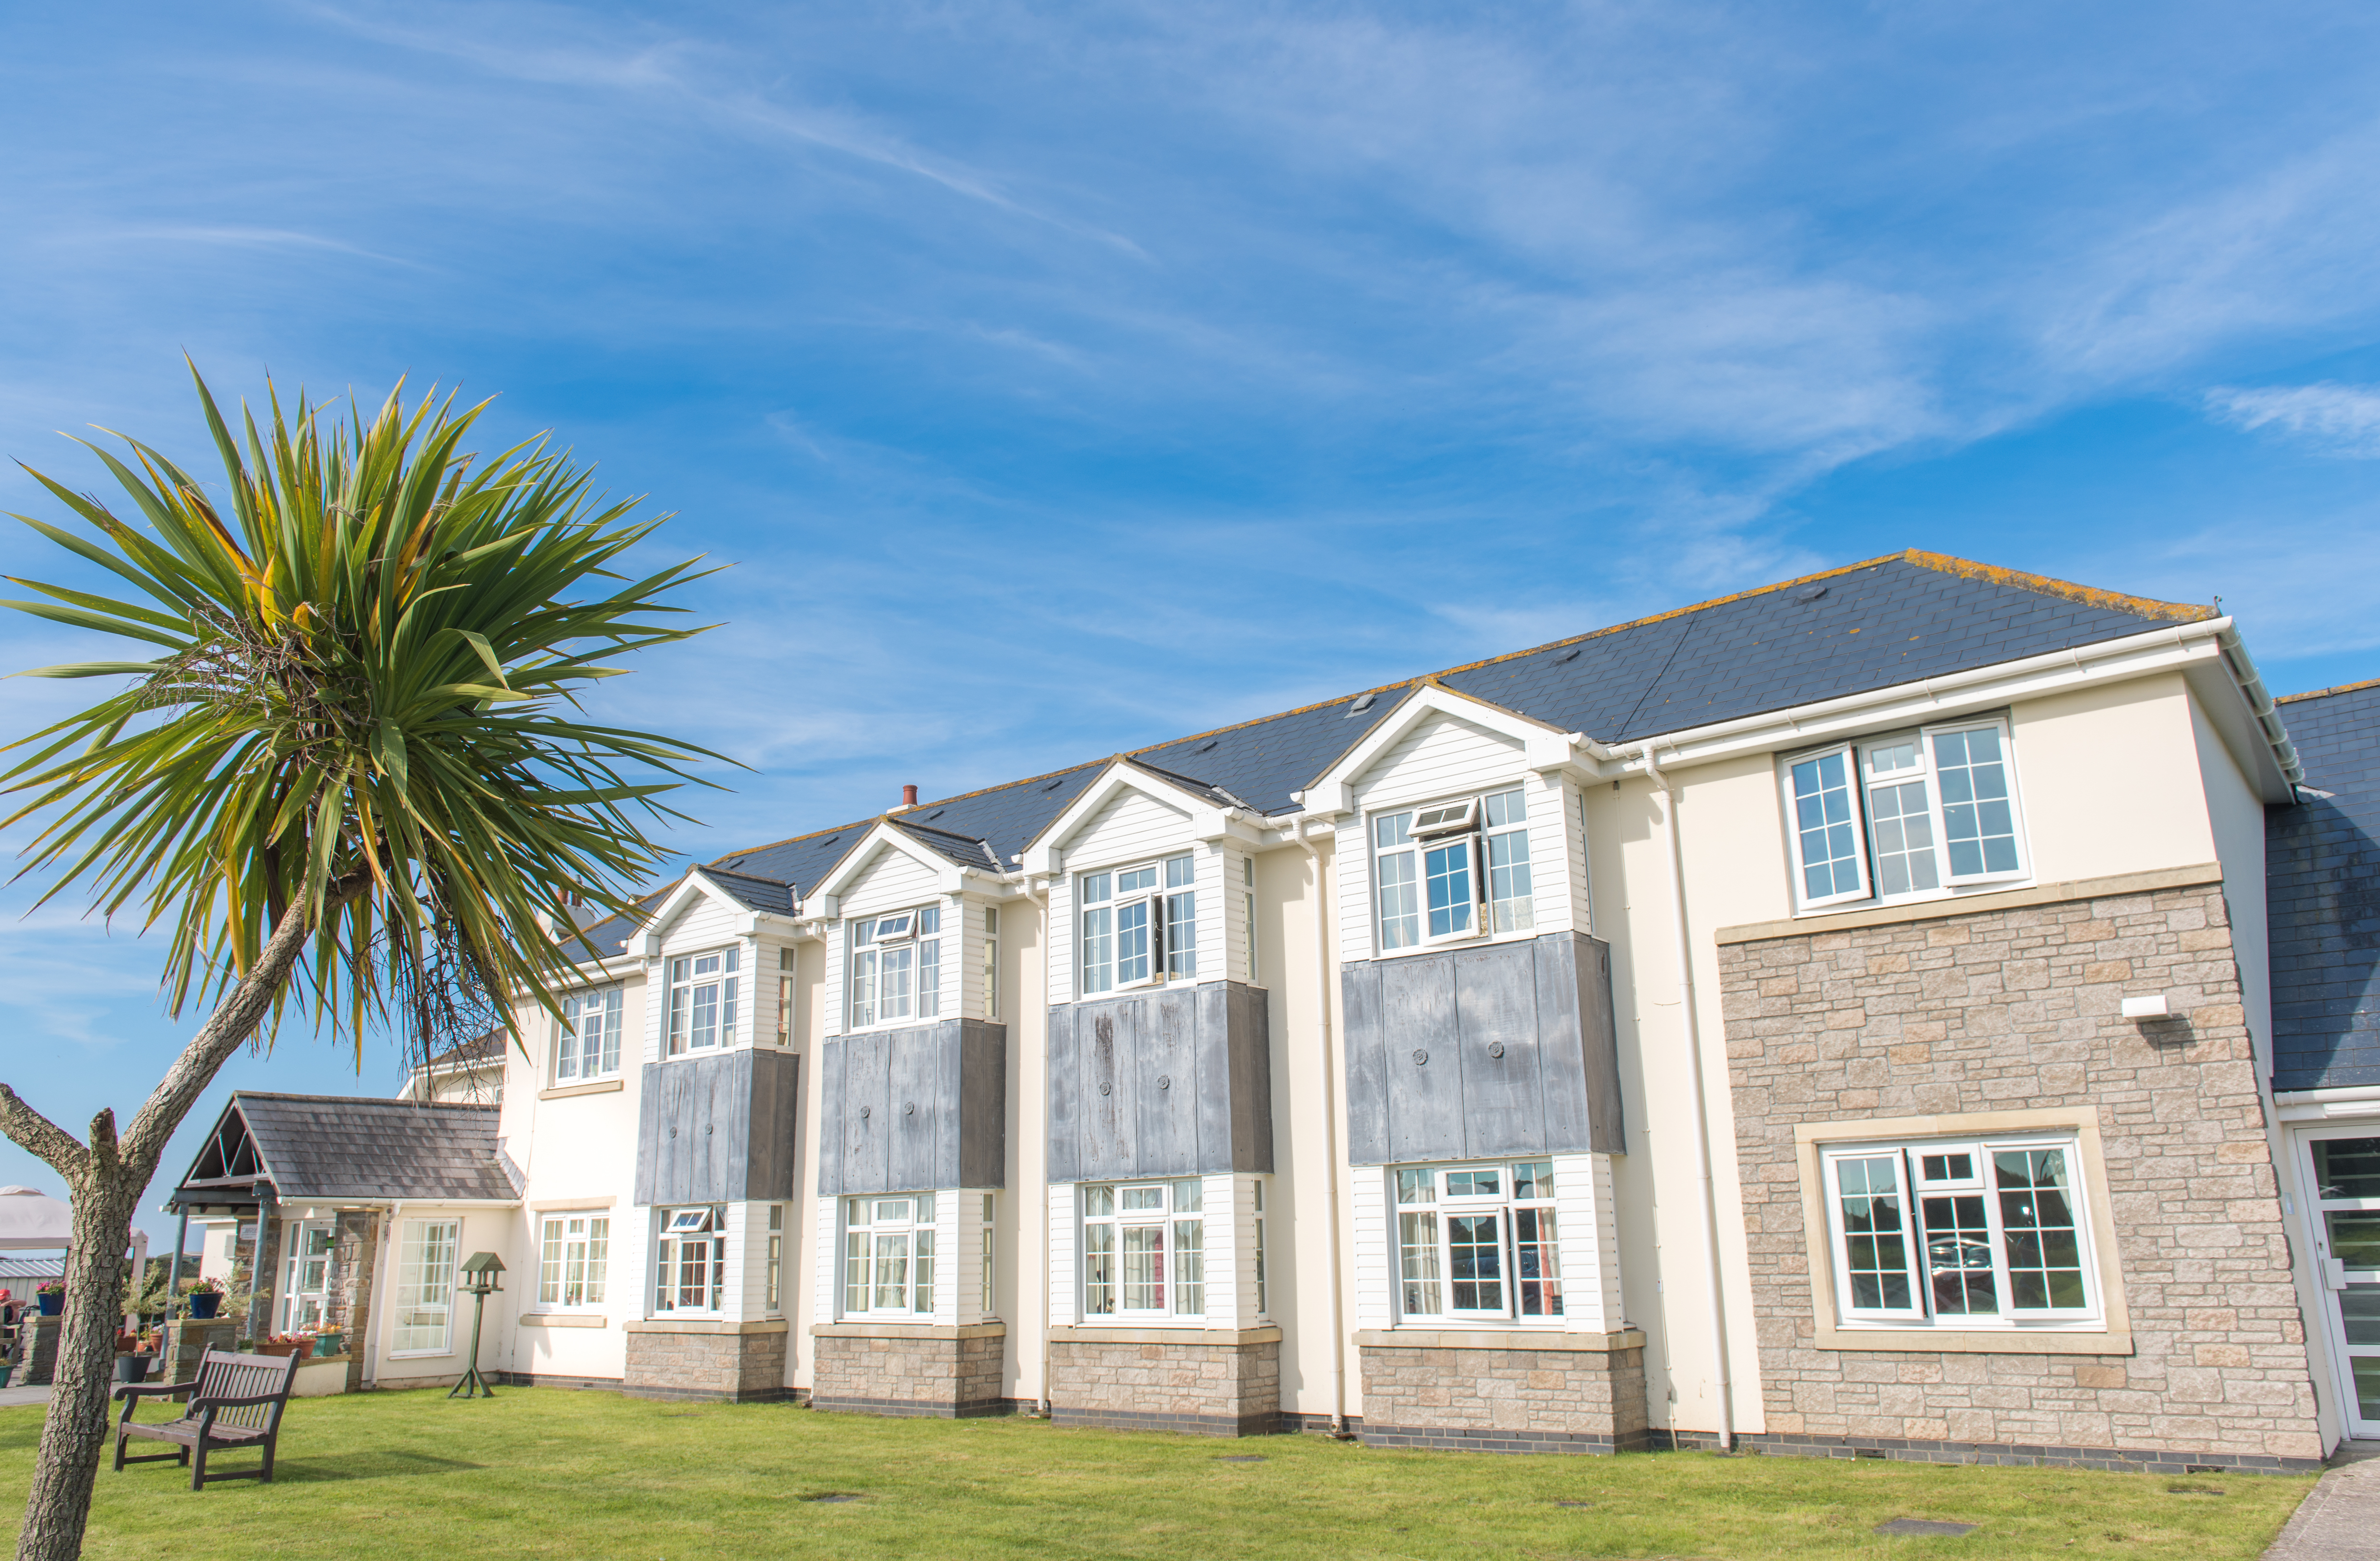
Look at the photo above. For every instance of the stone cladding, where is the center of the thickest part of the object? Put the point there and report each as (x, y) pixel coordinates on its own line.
(2009, 1011)
(1127, 1384)
(949, 1372)
(1504, 1400)
(741, 1367)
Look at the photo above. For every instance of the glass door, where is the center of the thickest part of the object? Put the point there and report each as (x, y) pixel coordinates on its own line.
(2344, 1185)
(305, 1287)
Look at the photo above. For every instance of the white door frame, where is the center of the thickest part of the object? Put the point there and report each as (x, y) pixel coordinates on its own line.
(2332, 1281)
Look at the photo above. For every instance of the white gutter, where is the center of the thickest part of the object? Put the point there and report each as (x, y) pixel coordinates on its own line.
(1703, 1177)
(1330, 1132)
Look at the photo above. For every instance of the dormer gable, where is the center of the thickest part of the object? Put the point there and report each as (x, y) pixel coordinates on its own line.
(950, 862)
(1205, 812)
(743, 900)
(1539, 748)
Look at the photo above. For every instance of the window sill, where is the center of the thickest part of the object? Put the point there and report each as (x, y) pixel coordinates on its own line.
(1865, 913)
(599, 1087)
(1975, 1341)
(1442, 1337)
(563, 1320)
(421, 1354)
(1456, 945)
(1132, 1333)
(701, 1325)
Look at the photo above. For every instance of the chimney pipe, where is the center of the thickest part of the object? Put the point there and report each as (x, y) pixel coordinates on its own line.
(908, 797)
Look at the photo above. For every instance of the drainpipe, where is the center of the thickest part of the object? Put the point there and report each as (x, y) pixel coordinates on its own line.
(1044, 1409)
(1708, 1193)
(1329, 1134)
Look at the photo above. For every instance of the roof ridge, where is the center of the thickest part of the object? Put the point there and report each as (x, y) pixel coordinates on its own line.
(739, 872)
(2325, 693)
(396, 1102)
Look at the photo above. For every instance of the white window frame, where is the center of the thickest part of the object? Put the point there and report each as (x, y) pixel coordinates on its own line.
(890, 1261)
(869, 1001)
(1427, 1285)
(772, 1272)
(427, 1254)
(1166, 1220)
(572, 1267)
(689, 990)
(689, 1234)
(308, 1277)
(1167, 908)
(991, 963)
(1926, 1193)
(1421, 827)
(591, 1023)
(1857, 758)
(988, 1254)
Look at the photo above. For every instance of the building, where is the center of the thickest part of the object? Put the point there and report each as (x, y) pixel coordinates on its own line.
(472, 1073)
(1837, 1016)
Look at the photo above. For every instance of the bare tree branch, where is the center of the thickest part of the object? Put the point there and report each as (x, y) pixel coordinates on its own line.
(35, 1133)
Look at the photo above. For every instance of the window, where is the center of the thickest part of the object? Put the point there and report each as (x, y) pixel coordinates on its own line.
(1255, 1194)
(984, 1303)
(991, 962)
(888, 1255)
(703, 1001)
(1429, 877)
(1972, 1234)
(573, 1259)
(305, 1292)
(1249, 903)
(1477, 1242)
(1145, 1250)
(773, 1287)
(425, 1286)
(1907, 814)
(690, 1260)
(589, 1044)
(896, 968)
(785, 961)
(1133, 930)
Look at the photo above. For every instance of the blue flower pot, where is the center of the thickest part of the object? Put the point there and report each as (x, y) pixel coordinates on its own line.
(206, 1303)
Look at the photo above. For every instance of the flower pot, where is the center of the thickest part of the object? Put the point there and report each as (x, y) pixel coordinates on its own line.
(269, 1349)
(132, 1367)
(203, 1303)
(50, 1302)
(328, 1343)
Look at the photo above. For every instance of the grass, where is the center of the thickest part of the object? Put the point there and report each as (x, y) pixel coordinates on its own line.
(547, 1472)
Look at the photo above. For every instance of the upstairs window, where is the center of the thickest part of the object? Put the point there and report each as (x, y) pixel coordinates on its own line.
(587, 1043)
(1145, 1249)
(888, 1255)
(1453, 870)
(573, 1259)
(702, 1000)
(1910, 814)
(1477, 1242)
(1139, 925)
(896, 968)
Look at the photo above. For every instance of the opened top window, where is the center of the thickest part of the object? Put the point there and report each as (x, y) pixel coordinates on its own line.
(1477, 1242)
(702, 1000)
(897, 967)
(1909, 815)
(690, 1260)
(1139, 924)
(1453, 870)
(1965, 1233)
(589, 1044)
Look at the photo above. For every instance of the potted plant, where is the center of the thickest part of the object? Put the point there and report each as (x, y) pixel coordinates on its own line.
(131, 1361)
(205, 1295)
(51, 1297)
(286, 1344)
(329, 1340)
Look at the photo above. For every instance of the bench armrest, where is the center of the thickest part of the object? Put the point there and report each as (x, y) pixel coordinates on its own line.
(155, 1390)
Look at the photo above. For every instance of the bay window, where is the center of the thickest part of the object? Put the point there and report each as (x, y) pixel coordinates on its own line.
(1909, 815)
(1145, 1249)
(702, 1000)
(587, 1044)
(1453, 870)
(897, 967)
(1975, 1233)
(1477, 1242)
(888, 1255)
(690, 1260)
(573, 1259)
(1139, 925)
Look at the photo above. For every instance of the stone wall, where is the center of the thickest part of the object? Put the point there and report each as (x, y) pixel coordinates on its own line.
(895, 1369)
(740, 1362)
(2016, 1009)
(1504, 1392)
(1165, 1378)
(187, 1338)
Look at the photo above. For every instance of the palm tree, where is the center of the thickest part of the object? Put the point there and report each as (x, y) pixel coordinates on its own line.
(356, 777)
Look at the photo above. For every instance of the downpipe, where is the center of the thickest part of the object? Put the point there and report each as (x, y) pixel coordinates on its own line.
(1338, 1430)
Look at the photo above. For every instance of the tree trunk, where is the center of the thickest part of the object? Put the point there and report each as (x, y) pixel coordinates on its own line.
(105, 1182)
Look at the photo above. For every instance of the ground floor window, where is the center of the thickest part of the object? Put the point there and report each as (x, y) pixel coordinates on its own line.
(1963, 1232)
(425, 1288)
(573, 1259)
(1145, 1249)
(306, 1282)
(888, 1255)
(1477, 1242)
(984, 1301)
(774, 1299)
(690, 1260)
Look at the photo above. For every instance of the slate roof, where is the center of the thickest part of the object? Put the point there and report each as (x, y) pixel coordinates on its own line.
(1848, 630)
(756, 893)
(486, 1048)
(340, 1146)
(2322, 884)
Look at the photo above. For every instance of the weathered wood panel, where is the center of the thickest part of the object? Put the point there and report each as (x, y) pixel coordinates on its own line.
(1360, 1023)
(773, 1163)
(717, 1127)
(921, 1108)
(1065, 1110)
(1424, 1066)
(983, 1104)
(1171, 1082)
(1496, 1007)
(1248, 1012)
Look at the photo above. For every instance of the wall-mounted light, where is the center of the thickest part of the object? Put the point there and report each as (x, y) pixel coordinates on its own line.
(2146, 1008)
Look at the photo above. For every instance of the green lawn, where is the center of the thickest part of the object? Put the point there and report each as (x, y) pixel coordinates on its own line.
(592, 1474)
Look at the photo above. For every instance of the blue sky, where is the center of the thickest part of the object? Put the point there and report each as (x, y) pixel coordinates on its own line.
(1059, 380)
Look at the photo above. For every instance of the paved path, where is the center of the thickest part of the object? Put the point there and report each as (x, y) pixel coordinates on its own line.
(11, 1398)
(2341, 1520)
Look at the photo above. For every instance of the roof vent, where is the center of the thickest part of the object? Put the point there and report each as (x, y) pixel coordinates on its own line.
(1571, 654)
(1055, 783)
(1362, 704)
(935, 814)
(1810, 593)
(1209, 746)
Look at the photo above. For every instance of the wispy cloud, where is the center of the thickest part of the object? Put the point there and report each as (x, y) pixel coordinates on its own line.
(2340, 420)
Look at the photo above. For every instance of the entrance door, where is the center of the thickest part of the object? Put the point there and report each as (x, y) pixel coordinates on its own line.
(306, 1287)
(2344, 1166)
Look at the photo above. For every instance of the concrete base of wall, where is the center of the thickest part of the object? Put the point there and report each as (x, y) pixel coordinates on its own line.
(734, 1362)
(2123, 1461)
(909, 1369)
(1504, 1392)
(1202, 1382)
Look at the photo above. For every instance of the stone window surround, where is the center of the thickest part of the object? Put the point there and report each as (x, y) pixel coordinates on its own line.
(2114, 1336)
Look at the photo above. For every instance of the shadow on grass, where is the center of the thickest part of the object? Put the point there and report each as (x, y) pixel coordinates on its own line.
(373, 1465)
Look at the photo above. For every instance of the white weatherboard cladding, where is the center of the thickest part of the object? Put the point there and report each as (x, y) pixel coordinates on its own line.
(826, 1298)
(1443, 755)
(1065, 1296)
(1231, 907)
(1230, 1267)
(1590, 1242)
(1059, 939)
(1374, 1303)
(895, 881)
(1133, 827)
(1351, 853)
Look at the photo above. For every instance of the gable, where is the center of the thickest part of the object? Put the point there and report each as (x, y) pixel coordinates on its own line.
(891, 879)
(1133, 824)
(1441, 753)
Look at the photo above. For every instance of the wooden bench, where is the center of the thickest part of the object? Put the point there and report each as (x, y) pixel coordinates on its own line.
(235, 1401)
